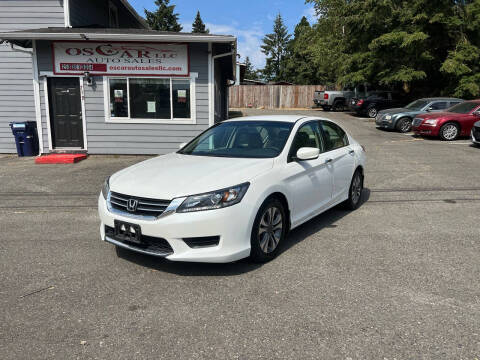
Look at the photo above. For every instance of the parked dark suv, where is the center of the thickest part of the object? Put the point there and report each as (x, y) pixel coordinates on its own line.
(375, 102)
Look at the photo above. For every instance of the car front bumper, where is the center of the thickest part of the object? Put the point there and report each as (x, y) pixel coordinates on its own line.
(475, 135)
(231, 224)
(425, 130)
(381, 122)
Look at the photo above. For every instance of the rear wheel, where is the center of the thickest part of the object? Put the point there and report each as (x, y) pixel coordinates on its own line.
(355, 191)
(269, 230)
(326, 108)
(449, 131)
(338, 105)
(404, 125)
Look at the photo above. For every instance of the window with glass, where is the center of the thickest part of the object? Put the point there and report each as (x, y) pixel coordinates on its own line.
(150, 98)
(241, 139)
(439, 105)
(334, 136)
(307, 136)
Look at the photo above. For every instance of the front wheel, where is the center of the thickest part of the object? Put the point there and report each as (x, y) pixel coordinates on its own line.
(355, 191)
(269, 230)
(404, 125)
(372, 112)
(449, 131)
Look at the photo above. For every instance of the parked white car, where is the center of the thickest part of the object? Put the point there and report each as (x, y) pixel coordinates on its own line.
(234, 191)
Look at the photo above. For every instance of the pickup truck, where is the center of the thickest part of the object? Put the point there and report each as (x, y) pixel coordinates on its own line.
(337, 100)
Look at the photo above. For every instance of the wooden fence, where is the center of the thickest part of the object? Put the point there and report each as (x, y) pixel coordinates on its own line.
(272, 96)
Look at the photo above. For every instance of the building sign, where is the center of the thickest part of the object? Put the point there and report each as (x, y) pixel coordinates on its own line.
(116, 58)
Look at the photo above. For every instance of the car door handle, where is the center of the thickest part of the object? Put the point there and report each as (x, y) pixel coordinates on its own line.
(328, 161)
(351, 152)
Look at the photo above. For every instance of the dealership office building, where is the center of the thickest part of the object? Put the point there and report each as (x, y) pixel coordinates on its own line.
(98, 87)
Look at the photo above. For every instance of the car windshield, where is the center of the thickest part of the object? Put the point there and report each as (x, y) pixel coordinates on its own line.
(463, 108)
(241, 139)
(417, 105)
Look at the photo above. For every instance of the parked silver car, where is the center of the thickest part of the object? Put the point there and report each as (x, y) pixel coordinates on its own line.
(400, 119)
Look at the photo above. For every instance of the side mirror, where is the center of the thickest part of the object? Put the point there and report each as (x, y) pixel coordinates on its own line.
(182, 145)
(430, 108)
(307, 153)
(477, 113)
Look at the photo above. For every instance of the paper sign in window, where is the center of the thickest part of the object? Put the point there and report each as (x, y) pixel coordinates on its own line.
(118, 95)
(182, 96)
(151, 106)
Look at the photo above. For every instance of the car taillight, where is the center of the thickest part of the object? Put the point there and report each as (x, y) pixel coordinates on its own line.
(360, 102)
(325, 96)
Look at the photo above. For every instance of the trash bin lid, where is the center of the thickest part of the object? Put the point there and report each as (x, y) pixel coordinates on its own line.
(19, 126)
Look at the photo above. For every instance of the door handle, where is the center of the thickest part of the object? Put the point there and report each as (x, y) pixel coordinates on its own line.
(351, 152)
(328, 161)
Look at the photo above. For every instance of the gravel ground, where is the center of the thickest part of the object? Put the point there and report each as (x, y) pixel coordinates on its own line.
(396, 279)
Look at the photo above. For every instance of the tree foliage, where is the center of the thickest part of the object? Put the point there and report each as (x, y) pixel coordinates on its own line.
(164, 18)
(422, 46)
(198, 25)
(250, 72)
(275, 48)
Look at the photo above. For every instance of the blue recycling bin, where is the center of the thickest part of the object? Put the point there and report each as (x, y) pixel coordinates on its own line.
(26, 137)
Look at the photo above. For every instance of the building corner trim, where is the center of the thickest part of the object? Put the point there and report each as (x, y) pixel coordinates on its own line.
(36, 96)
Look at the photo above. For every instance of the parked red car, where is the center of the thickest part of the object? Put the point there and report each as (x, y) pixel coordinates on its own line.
(456, 121)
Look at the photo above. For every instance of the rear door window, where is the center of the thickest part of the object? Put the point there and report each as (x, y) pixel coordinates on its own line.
(333, 136)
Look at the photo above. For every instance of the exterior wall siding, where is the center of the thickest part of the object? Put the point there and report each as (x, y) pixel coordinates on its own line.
(16, 79)
(95, 12)
(117, 138)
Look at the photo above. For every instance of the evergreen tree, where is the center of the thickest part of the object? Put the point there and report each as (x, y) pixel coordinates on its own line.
(250, 72)
(164, 18)
(198, 26)
(275, 47)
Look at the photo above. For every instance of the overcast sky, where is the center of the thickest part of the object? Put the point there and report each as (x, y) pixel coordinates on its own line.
(249, 20)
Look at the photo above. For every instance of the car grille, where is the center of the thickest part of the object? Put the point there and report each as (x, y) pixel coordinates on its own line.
(417, 122)
(144, 206)
(150, 244)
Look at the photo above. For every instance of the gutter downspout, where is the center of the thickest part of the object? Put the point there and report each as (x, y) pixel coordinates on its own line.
(66, 13)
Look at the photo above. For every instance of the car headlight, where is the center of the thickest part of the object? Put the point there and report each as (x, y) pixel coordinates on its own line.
(388, 117)
(214, 200)
(106, 188)
(432, 122)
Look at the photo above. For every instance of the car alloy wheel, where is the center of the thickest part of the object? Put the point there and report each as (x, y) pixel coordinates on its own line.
(270, 229)
(404, 125)
(355, 192)
(449, 132)
(372, 113)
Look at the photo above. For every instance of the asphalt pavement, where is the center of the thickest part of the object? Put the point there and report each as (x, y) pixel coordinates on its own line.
(396, 279)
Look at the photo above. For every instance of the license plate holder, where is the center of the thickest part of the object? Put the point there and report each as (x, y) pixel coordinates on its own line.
(127, 232)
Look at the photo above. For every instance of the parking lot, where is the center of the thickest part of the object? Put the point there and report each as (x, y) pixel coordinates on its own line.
(396, 279)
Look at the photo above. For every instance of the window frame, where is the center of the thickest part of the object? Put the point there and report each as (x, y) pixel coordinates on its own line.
(129, 120)
(293, 157)
(323, 135)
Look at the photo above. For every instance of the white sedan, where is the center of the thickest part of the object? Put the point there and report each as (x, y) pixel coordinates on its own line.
(234, 191)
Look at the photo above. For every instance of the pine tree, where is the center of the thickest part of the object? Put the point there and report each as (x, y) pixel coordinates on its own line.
(198, 26)
(250, 72)
(274, 47)
(164, 18)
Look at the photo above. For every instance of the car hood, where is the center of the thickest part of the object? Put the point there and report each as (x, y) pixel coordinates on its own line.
(437, 115)
(176, 175)
(393, 111)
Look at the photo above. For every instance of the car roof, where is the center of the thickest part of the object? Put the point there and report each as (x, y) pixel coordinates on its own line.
(283, 118)
(440, 98)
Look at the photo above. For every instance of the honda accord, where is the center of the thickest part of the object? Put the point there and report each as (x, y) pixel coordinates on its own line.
(234, 191)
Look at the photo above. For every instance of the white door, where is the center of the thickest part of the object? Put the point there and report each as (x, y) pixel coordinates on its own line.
(310, 181)
(340, 157)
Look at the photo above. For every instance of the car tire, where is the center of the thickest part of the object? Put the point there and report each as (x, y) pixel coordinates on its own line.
(268, 231)
(338, 105)
(372, 112)
(404, 125)
(449, 131)
(355, 191)
(326, 108)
